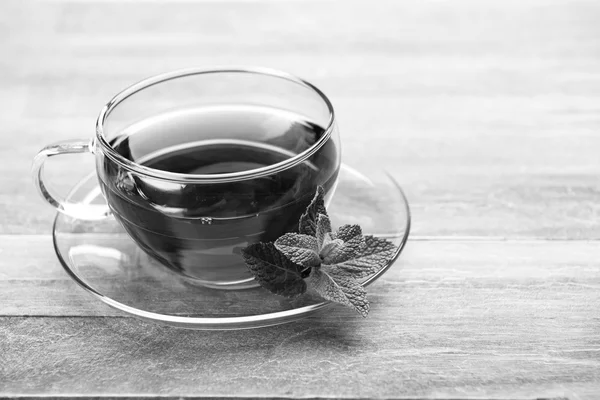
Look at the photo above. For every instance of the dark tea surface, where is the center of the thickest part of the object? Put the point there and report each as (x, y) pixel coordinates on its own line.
(199, 229)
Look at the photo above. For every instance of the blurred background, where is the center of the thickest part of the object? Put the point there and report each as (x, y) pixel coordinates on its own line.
(479, 109)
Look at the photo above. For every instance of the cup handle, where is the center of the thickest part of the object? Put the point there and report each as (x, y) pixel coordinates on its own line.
(76, 210)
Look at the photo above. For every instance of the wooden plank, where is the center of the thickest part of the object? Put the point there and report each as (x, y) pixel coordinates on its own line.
(318, 358)
(522, 280)
(24, 257)
(456, 319)
(472, 118)
(456, 186)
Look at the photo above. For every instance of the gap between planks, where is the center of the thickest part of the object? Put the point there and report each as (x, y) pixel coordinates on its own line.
(139, 397)
(415, 238)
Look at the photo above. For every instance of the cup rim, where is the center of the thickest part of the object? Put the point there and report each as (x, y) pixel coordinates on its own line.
(132, 166)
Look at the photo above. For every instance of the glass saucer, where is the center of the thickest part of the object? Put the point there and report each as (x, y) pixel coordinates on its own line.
(102, 259)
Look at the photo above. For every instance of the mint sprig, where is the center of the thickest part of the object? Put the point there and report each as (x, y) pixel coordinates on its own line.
(329, 262)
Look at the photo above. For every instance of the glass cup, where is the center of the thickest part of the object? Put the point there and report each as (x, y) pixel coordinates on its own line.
(198, 164)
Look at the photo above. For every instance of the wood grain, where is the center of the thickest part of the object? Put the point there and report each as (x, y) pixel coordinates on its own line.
(485, 112)
(334, 357)
(512, 319)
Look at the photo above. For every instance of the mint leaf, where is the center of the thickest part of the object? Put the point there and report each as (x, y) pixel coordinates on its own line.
(376, 254)
(353, 245)
(273, 271)
(308, 220)
(300, 249)
(347, 232)
(339, 289)
(323, 228)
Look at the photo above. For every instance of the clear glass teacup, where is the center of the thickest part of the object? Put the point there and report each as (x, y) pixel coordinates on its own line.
(198, 164)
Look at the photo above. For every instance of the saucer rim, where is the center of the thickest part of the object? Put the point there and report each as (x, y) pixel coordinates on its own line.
(230, 323)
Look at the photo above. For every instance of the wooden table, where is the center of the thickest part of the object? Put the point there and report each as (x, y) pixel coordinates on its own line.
(488, 113)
